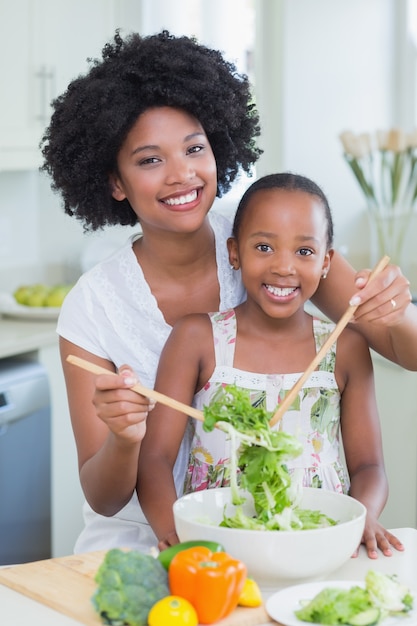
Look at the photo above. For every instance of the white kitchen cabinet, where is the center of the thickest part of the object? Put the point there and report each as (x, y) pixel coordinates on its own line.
(18, 128)
(67, 496)
(44, 44)
(38, 340)
(397, 403)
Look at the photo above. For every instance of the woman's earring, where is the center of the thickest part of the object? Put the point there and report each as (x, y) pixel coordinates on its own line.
(324, 275)
(232, 267)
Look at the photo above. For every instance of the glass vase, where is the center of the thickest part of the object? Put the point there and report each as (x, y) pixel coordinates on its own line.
(389, 228)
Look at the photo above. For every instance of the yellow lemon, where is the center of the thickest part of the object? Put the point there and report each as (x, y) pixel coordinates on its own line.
(251, 594)
(172, 611)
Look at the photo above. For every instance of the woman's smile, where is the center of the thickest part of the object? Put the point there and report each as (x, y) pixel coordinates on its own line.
(185, 200)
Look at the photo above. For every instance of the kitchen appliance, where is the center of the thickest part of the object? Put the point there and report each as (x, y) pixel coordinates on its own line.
(25, 462)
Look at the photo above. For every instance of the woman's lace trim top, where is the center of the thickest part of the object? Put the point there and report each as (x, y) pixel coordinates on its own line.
(112, 312)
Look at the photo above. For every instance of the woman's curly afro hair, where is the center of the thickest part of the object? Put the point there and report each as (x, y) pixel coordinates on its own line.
(92, 118)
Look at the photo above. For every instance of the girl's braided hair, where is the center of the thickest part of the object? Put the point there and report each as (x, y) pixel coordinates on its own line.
(92, 118)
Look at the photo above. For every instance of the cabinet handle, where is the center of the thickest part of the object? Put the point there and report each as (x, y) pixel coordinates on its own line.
(46, 77)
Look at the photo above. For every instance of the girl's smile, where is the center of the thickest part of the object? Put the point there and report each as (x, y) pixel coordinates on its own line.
(281, 293)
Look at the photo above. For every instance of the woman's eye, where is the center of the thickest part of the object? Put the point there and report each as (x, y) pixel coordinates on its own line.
(149, 161)
(195, 149)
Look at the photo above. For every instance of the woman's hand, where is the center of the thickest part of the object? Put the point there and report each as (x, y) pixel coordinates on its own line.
(385, 315)
(123, 410)
(384, 300)
(377, 537)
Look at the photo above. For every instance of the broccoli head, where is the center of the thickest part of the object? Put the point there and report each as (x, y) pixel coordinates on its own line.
(129, 584)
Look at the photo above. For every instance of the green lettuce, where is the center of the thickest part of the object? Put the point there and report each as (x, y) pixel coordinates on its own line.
(383, 596)
(258, 464)
(391, 596)
(335, 606)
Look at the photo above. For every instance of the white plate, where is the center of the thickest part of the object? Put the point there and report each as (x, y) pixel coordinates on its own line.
(282, 604)
(11, 308)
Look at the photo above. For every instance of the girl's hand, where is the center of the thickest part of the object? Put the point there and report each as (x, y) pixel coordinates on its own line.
(385, 299)
(123, 411)
(171, 539)
(377, 537)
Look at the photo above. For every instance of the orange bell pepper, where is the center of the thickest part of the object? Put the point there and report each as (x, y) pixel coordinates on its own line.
(211, 581)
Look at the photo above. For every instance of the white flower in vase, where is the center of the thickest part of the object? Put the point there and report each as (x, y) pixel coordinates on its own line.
(385, 165)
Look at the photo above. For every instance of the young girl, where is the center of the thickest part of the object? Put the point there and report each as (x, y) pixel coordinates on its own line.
(282, 243)
(149, 136)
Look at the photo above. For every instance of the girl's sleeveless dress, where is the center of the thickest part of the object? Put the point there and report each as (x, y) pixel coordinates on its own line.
(314, 418)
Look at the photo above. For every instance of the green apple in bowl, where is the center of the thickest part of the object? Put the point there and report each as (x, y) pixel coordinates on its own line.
(41, 295)
(56, 295)
(21, 294)
(32, 295)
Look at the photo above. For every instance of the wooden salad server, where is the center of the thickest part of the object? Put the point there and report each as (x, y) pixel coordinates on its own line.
(144, 391)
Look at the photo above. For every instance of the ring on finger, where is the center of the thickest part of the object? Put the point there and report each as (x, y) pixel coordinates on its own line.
(393, 303)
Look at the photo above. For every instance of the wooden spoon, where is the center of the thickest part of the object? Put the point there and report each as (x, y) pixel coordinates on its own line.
(144, 391)
(344, 320)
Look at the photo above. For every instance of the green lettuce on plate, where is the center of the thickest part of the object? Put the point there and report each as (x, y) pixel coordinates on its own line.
(383, 596)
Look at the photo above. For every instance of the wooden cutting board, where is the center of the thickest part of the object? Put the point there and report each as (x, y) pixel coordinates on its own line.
(66, 584)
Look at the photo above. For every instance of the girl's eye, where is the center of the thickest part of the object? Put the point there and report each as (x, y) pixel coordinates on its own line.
(264, 247)
(305, 251)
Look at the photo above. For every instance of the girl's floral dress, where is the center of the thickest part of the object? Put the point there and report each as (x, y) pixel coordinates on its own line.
(314, 417)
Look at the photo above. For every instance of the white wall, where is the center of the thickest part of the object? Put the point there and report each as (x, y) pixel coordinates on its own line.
(336, 74)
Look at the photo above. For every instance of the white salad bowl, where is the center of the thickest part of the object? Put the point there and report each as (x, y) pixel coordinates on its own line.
(276, 558)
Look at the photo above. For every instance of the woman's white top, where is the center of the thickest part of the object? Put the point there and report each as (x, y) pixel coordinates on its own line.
(112, 313)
